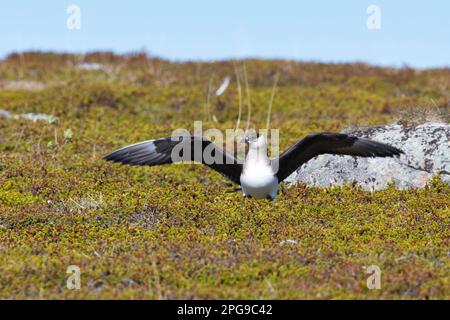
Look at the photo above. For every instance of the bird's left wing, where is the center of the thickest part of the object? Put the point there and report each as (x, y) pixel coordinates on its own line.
(177, 149)
(329, 143)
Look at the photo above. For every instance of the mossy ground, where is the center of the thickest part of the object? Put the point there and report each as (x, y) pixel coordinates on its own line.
(172, 231)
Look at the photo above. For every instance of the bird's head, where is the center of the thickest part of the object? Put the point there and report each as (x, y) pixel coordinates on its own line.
(255, 140)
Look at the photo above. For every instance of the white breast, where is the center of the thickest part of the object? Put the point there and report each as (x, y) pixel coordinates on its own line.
(259, 182)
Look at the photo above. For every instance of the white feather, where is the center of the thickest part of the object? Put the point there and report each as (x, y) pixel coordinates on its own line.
(259, 182)
(258, 179)
(223, 86)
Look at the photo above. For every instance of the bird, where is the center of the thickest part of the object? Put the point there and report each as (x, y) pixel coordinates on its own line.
(257, 175)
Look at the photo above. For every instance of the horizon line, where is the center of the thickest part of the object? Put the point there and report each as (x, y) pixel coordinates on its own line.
(403, 65)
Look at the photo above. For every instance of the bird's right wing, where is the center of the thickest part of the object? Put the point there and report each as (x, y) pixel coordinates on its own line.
(177, 149)
(329, 143)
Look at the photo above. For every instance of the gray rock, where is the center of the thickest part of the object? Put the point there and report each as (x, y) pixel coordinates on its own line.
(5, 113)
(427, 153)
(288, 241)
(90, 66)
(22, 85)
(37, 117)
(29, 116)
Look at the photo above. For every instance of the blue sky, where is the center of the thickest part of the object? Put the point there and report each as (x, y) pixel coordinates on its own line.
(416, 33)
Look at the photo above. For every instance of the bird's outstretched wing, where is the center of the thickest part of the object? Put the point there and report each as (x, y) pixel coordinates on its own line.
(177, 149)
(329, 143)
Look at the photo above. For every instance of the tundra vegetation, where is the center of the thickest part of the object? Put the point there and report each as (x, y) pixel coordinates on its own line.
(173, 232)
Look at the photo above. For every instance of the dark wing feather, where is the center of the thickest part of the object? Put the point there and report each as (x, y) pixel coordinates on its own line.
(159, 151)
(330, 143)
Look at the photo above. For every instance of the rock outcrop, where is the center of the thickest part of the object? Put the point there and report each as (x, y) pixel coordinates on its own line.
(427, 153)
(29, 116)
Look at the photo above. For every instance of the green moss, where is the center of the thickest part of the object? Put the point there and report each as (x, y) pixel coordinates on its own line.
(171, 232)
(9, 198)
